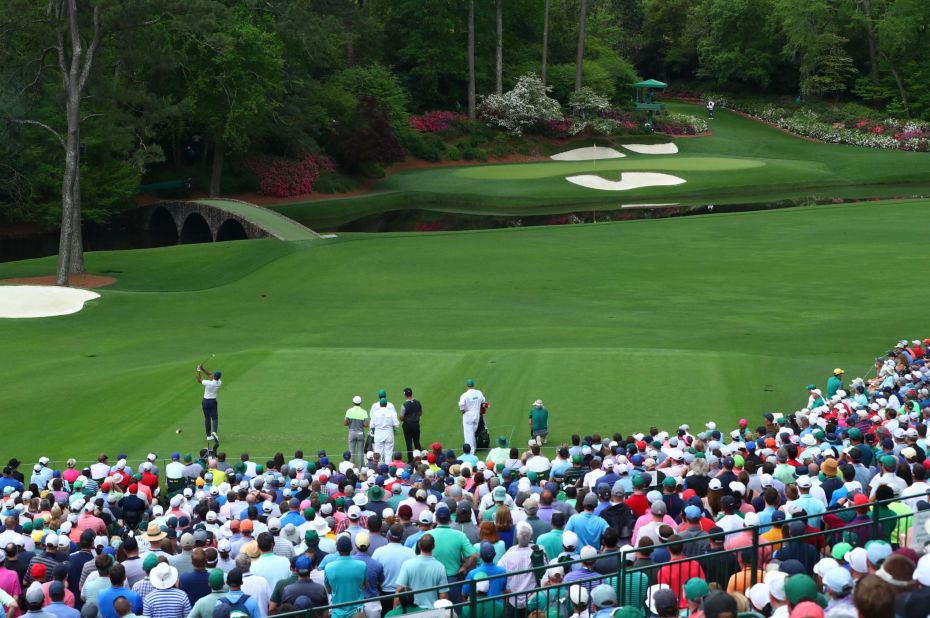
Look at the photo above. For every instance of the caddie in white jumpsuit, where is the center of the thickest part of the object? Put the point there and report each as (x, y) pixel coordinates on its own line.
(383, 423)
(470, 406)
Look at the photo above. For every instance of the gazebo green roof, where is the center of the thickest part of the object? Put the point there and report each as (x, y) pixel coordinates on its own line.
(650, 83)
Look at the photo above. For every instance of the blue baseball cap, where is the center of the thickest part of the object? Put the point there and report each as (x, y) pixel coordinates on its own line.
(303, 564)
(217, 375)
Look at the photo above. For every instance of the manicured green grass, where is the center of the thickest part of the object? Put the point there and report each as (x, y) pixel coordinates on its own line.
(742, 162)
(615, 326)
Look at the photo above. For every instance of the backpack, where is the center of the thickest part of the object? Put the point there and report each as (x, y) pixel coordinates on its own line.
(237, 609)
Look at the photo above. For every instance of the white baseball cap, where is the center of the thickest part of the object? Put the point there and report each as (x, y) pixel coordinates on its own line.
(357, 400)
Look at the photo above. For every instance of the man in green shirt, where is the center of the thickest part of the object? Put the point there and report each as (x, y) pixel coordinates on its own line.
(344, 579)
(551, 541)
(453, 550)
(539, 421)
(500, 453)
(835, 382)
(356, 420)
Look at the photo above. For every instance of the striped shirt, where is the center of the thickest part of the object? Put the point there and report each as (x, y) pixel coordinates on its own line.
(168, 603)
(50, 564)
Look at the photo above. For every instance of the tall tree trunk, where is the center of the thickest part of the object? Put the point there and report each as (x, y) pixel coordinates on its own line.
(471, 59)
(500, 47)
(545, 40)
(579, 61)
(74, 72)
(216, 172)
(870, 38)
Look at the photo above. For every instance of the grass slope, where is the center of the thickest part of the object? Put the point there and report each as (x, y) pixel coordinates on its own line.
(743, 161)
(616, 326)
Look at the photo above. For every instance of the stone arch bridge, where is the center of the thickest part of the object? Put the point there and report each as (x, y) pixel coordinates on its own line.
(215, 220)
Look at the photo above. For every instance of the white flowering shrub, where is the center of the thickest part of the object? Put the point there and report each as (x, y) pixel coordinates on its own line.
(527, 105)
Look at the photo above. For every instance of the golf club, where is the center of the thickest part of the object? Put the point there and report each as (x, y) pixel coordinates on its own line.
(206, 360)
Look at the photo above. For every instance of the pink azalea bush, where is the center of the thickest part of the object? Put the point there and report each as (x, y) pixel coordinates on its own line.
(435, 122)
(282, 177)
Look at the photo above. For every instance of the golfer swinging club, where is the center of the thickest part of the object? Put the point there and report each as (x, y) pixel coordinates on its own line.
(209, 404)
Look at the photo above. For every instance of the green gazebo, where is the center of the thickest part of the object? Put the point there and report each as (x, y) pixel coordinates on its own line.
(646, 97)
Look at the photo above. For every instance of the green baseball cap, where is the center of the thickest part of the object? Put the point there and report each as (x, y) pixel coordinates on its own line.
(840, 550)
(383, 401)
(800, 587)
(188, 458)
(532, 476)
(376, 493)
(695, 588)
(889, 461)
(150, 562)
(309, 513)
(576, 459)
(628, 611)
(469, 382)
(311, 467)
(669, 481)
(259, 469)
(340, 502)
(782, 420)
(501, 441)
(854, 433)
(820, 435)
(810, 387)
(382, 394)
(216, 579)
(27, 527)
(311, 536)
(639, 480)
(738, 461)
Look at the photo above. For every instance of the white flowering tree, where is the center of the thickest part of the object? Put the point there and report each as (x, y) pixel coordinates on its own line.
(527, 105)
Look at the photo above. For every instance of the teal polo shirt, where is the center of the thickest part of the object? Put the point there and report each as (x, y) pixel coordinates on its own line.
(419, 573)
(345, 577)
(452, 548)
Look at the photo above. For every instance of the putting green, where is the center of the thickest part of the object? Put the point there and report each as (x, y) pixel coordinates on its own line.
(615, 326)
(657, 163)
(760, 165)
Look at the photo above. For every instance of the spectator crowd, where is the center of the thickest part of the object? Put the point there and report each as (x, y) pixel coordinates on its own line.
(811, 514)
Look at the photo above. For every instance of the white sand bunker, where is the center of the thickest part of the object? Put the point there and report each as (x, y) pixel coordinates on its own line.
(652, 148)
(628, 180)
(41, 301)
(591, 153)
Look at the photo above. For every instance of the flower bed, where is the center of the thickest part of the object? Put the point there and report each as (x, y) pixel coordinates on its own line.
(834, 125)
(282, 177)
(436, 121)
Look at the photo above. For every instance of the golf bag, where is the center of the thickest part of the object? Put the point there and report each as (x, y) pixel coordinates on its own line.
(482, 439)
(369, 441)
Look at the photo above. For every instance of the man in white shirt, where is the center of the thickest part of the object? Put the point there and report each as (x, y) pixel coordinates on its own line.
(383, 422)
(470, 407)
(209, 404)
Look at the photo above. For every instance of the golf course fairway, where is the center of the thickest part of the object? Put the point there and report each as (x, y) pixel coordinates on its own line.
(615, 326)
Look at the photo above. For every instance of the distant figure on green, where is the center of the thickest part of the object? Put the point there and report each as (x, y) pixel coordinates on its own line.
(710, 108)
(539, 421)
